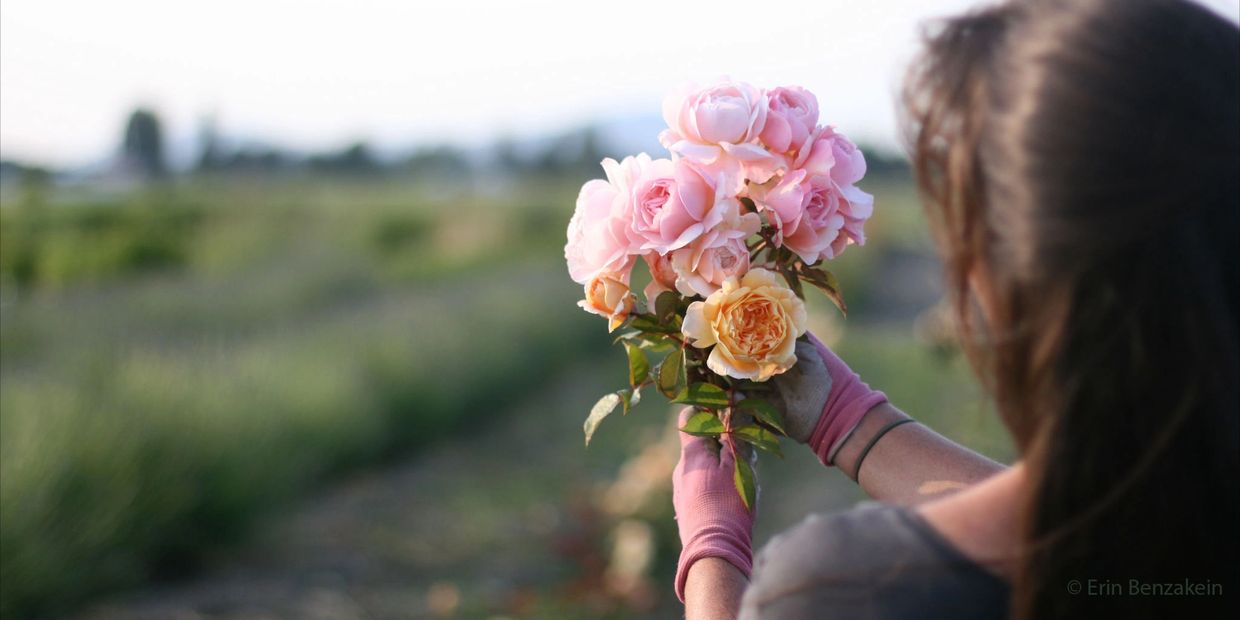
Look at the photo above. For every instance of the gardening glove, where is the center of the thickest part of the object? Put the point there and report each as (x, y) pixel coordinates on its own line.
(710, 514)
(822, 399)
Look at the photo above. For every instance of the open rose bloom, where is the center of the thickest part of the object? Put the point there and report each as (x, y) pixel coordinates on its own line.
(755, 195)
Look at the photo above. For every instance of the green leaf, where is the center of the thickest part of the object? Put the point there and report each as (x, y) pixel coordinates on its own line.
(703, 395)
(600, 410)
(672, 374)
(629, 398)
(764, 411)
(639, 366)
(645, 340)
(665, 306)
(745, 485)
(759, 437)
(648, 323)
(626, 335)
(658, 345)
(703, 424)
(828, 284)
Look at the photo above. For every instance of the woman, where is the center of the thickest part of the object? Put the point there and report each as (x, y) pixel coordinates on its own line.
(1080, 163)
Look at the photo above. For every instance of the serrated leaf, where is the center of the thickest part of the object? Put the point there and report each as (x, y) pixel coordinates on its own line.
(760, 438)
(703, 424)
(764, 411)
(826, 282)
(600, 410)
(742, 477)
(703, 395)
(671, 378)
(665, 306)
(639, 366)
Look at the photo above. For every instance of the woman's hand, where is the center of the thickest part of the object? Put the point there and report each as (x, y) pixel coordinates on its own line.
(710, 515)
(822, 399)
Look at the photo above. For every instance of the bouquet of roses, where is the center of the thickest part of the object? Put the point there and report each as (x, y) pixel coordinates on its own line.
(755, 197)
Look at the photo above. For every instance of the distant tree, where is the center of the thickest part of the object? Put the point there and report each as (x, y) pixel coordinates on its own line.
(143, 146)
(256, 159)
(593, 149)
(573, 153)
(438, 162)
(507, 157)
(210, 155)
(355, 159)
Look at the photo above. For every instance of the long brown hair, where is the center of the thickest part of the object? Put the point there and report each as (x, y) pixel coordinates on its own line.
(1080, 163)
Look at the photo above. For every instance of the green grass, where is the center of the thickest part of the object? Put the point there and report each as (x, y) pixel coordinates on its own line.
(129, 460)
(150, 410)
(177, 361)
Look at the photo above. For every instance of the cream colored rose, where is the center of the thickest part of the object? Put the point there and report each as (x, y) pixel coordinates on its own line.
(608, 295)
(753, 324)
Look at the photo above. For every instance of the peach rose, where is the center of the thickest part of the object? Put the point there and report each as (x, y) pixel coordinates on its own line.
(608, 295)
(662, 276)
(753, 324)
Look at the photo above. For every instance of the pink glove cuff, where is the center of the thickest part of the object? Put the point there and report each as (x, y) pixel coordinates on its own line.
(726, 535)
(848, 402)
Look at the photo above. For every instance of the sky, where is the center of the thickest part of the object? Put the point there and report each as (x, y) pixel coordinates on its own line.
(313, 75)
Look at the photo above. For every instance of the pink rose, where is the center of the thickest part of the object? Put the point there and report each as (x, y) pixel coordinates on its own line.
(721, 253)
(671, 204)
(834, 155)
(718, 127)
(856, 206)
(598, 233)
(819, 223)
(816, 209)
(833, 218)
(791, 118)
(783, 199)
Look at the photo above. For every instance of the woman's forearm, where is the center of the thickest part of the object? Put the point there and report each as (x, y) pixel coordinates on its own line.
(910, 463)
(713, 589)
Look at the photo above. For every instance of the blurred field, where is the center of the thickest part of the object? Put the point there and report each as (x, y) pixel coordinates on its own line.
(179, 361)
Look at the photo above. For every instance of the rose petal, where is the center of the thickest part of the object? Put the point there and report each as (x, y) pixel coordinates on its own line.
(696, 326)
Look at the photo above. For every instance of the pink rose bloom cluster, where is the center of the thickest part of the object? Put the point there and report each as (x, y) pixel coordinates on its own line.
(741, 158)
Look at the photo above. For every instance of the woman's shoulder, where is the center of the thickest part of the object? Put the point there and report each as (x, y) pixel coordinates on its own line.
(875, 560)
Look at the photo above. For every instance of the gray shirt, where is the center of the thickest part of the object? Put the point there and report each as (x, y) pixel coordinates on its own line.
(874, 561)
